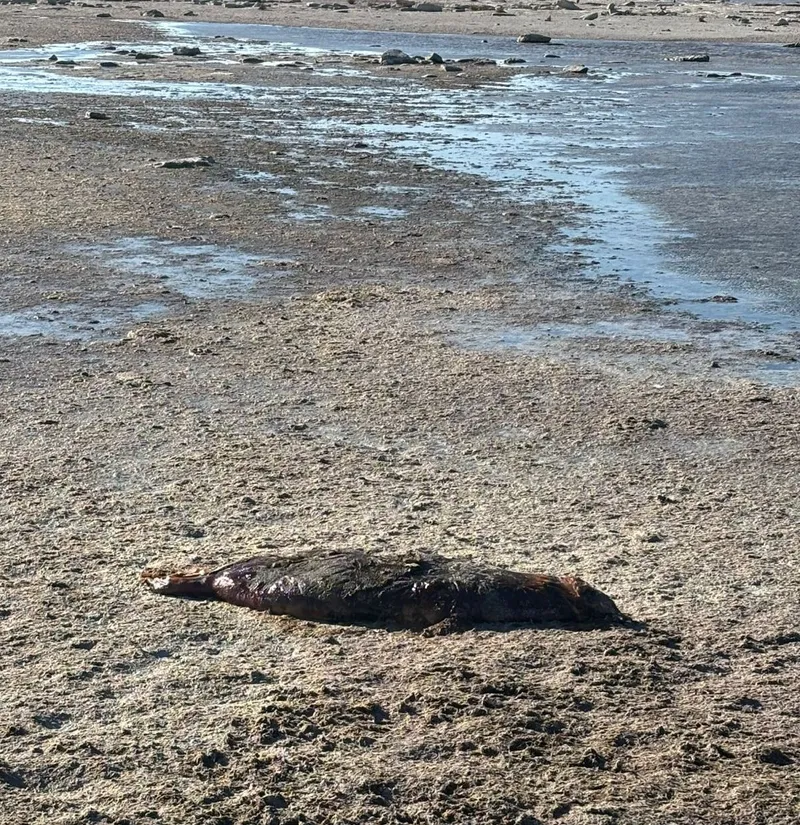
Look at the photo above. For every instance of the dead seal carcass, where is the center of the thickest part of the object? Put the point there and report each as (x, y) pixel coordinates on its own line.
(413, 591)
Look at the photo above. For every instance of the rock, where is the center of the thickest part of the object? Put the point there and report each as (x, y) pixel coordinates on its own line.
(774, 756)
(689, 58)
(532, 37)
(64, 63)
(593, 15)
(145, 56)
(252, 60)
(186, 51)
(108, 64)
(396, 57)
(569, 5)
(152, 13)
(576, 68)
(96, 116)
(185, 163)
(781, 21)
(451, 67)
(435, 58)
(514, 61)
(428, 7)
(103, 14)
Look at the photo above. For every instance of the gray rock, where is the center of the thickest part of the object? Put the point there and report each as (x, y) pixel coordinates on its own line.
(395, 57)
(96, 116)
(781, 21)
(186, 51)
(569, 5)
(152, 13)
(532, 37)
(108, 64)
(435, 58)
(185, 163)
(576, 68)
(428, 7)
(252, 60)
(451, 67)
(593, 15)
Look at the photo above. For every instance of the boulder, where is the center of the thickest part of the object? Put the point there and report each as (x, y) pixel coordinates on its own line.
(396, 57)
(532, 37)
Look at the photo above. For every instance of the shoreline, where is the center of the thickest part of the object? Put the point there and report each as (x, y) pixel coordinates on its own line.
(644, 21)
(320, 341)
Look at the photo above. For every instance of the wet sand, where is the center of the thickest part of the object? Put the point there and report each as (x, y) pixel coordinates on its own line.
(314, 343)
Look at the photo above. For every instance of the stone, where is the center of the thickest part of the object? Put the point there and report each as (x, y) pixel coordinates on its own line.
(569, 5)
(186, 51)
(575, 68)
(781, 21)
(593, 15)
(451, 67)
(145, 56)
(185, 163)
(96, 116)
(152, 13)
(436, 58)
(689, 58)
(428, 7)
(108, 64)
(515, 61)
(396, 57)
(252, 60)
(532, 37)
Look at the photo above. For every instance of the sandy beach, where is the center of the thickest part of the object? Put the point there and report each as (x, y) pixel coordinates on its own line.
(320, 340)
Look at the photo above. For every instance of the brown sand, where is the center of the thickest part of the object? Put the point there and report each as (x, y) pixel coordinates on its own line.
(335, 405)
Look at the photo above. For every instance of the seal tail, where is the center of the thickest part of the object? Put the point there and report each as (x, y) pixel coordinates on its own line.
(192, 584)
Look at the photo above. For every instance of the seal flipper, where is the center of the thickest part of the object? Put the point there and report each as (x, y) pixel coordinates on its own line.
(188, 585)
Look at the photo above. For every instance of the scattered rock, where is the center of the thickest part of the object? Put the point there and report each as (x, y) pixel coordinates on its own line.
(186, 51)
(781, 21)
(576, 68)
(569, 5)
(185, 163)
(152, 13)
(396, 57)
(252, 60)
(108, 64)
(451, 67)
(515, 61)
(436, 58)
(145, 56)
(593, 15)
(90, 115)
(532, 37)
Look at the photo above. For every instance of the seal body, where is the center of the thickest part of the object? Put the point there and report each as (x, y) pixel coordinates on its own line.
(417, 591)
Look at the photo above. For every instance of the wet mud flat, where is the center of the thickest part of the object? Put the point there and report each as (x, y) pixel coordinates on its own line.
(322, 342)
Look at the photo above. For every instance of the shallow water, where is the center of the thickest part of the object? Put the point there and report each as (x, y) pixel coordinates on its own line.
(688, 183)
